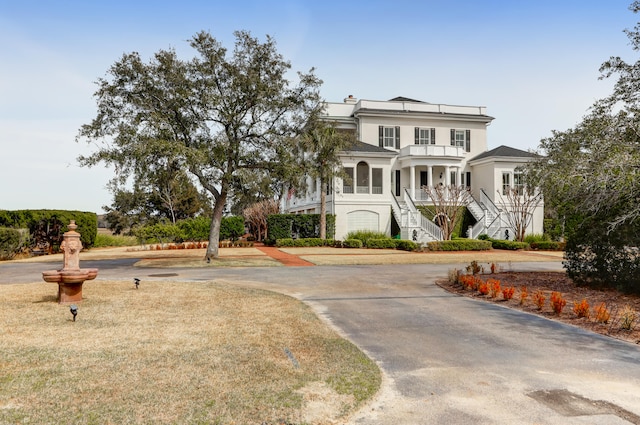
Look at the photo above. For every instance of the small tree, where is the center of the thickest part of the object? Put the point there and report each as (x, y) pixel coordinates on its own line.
(520, 204)
(448, 202)
(256, 217)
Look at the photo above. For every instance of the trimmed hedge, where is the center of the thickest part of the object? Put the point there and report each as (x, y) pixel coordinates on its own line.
(191, 230)
(503, 244)
(510, 245)
(285, 226)
(366, 235)
(304, 242)
(87, 222)
(352, 243)
(459, 245)
(405, 245)
(382, 243)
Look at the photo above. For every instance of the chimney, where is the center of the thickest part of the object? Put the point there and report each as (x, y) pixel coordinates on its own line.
(350, 99)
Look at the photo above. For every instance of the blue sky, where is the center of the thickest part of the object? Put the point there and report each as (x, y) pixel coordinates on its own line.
(533, 64)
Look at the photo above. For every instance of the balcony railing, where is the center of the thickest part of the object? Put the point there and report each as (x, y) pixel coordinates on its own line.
(433, 150)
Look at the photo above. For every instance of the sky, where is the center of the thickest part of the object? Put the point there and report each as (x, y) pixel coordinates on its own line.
(532, 63)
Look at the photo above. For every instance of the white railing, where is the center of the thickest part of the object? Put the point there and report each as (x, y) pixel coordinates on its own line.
(429, 226)
(433, 150)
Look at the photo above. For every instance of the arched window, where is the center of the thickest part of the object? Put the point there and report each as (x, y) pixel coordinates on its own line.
(362, 177)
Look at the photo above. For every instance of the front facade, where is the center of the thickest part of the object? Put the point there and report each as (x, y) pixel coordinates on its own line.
(406, 145)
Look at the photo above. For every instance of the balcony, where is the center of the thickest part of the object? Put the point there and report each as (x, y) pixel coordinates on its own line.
(437, 151)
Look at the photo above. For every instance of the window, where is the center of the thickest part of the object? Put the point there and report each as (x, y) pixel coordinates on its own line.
(506, 184)
(376, 179)
(453, 178)
(425, 136)
(362, 178)
(347, 184)
(461, 139)
(389, 137)
(518, 183)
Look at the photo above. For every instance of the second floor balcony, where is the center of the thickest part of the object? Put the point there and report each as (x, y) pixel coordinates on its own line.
(434, 151)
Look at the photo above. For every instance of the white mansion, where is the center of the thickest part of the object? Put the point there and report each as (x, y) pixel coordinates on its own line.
(404, 145)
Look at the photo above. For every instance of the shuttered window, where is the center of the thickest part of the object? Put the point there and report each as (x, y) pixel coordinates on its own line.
(425, 136)
(389, 137)
(461, 139)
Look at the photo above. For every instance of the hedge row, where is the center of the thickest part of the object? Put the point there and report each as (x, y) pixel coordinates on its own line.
(304, 242)
(191, 230)
(349, 243)
(459, 245)
(302, 226)
(38, 220)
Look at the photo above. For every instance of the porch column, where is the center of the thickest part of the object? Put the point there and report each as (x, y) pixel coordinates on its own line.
(430, 176)
(412, 182)
(447, 175)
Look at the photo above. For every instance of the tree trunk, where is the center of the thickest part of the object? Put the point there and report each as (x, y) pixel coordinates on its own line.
(323, 210)
(214, 230)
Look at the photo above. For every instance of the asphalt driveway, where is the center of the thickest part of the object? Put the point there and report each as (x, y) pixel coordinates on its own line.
(447, 359)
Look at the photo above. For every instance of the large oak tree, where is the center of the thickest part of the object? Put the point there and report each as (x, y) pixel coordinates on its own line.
(221, 116)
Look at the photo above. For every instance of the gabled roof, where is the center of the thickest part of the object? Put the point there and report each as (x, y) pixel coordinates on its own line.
(359, 146)
(505, 152)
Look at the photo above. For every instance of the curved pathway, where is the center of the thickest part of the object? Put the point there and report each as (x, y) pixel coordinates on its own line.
(447, 359)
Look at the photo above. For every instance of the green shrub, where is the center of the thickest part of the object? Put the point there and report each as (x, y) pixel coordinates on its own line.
(385, 243)
(231, 228)
(11, 241)
(195, 229)
(103, 240)
(282, 226)
(158, 233)
(337, 244)
(39, 222)
(406, 245)
(352, 243)
(459, 245)
(365, 235)
(548, 245)
(509, 245)
(536, 237)
(284, 242)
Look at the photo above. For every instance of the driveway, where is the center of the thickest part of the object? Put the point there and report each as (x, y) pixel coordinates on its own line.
(447, 359)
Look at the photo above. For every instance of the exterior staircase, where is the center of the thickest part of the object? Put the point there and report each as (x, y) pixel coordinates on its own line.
(488, 217)
(413, 225)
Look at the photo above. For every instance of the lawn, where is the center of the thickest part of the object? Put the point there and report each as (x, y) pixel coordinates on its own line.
(174, 352)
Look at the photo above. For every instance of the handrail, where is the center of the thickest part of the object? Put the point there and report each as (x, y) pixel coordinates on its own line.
(484, 198)
(425, 223)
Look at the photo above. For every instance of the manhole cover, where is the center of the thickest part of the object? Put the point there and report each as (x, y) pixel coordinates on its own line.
(164, 275)
(567, 403)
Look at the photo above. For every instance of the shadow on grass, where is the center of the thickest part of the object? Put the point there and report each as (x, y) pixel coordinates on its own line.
(47, 299)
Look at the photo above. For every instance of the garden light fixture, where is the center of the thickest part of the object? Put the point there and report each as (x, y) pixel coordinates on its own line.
(74, 310)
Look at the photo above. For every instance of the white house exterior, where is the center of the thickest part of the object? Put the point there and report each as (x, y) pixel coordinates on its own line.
(404, 145)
